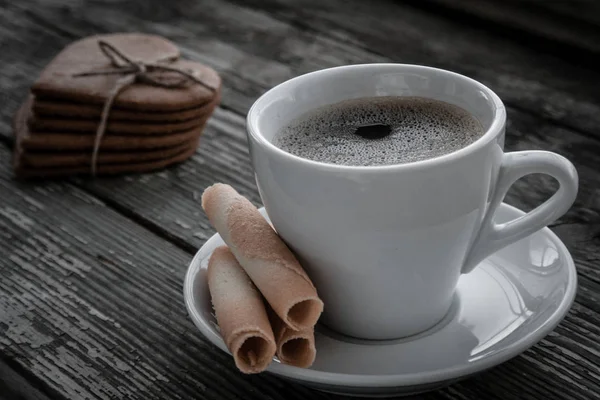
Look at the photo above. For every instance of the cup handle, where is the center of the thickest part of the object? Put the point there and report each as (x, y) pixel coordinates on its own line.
(492, 236)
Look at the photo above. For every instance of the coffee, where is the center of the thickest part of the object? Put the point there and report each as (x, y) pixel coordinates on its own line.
(379, 131)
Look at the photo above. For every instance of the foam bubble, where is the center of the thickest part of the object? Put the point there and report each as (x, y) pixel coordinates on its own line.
(420, 129)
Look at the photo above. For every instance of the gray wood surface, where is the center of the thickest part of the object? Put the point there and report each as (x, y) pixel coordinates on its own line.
(578, 10)
(14, 386)
(91, 303)
(90, 288)
(544, 25)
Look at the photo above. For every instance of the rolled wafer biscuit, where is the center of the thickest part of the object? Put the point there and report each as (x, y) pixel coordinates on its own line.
(295, 348)
(240, 312)
(266, 259)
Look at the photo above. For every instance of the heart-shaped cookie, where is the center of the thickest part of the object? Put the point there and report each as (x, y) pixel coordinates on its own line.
(60, 79)
(56, 141)
(105, 169)
(88, 126)
(64, 109)
(112, 104)
(35, 159)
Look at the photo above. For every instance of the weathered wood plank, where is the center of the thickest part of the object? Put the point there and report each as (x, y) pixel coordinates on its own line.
(245, 46)
(312, 35)
(13, 386)
(91, 304)
(67, 328)
(223, 156)
(587, 11)
(180, 216)
(63, 266)
(229, 59)
(543, 84)
(527, 23)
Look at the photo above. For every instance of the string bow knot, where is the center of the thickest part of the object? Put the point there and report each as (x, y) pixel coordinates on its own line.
(133, 72)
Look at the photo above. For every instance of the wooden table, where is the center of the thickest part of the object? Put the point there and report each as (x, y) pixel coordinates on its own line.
(91, 271)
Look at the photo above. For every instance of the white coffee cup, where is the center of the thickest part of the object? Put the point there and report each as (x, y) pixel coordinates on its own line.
(385, 245)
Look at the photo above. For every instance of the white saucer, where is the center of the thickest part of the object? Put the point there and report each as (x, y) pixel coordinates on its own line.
(507, 304)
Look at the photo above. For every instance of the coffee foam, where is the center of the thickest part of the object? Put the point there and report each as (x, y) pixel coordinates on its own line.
(421, 129)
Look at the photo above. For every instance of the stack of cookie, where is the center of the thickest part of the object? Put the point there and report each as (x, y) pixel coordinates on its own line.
(114, 104)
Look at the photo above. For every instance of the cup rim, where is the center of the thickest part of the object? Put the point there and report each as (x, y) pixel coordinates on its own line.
(489, 135)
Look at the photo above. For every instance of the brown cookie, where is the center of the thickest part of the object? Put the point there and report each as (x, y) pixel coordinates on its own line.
(63, 109)
(45, 124)
(83, 126)
(30, 159)
(22, 171)
(37, 123)
(74, 141)
(51, 141)
(59, 81)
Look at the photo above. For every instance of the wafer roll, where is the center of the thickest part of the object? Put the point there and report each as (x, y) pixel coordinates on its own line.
(240, 312)
(266, 259)
(295, 348)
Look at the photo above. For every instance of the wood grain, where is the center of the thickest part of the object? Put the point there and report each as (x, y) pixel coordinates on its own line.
(91, 303)
(63, 314)
(587, 11)
(15, 386)
(545, 85)
(309, 35)
(528, 23)
(94, 268)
